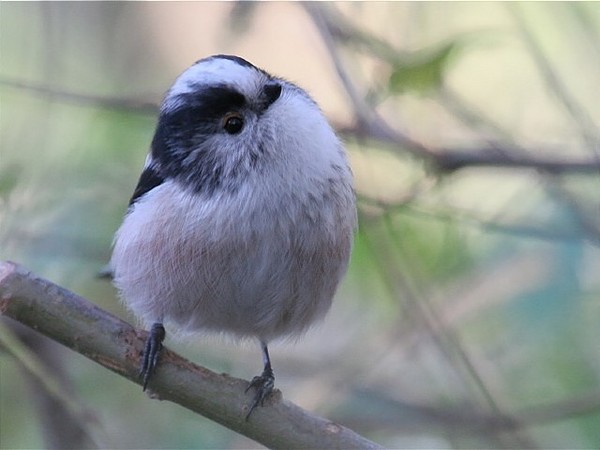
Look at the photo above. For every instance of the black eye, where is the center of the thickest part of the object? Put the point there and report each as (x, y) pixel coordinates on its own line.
(233, 123)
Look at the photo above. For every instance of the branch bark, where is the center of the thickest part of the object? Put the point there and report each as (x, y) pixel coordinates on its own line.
(78, 324)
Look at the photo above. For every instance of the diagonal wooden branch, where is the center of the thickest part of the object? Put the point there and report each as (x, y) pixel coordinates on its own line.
(78, 324)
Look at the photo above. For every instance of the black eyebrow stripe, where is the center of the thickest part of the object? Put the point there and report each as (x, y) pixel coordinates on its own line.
(149, 179)
(213, 101)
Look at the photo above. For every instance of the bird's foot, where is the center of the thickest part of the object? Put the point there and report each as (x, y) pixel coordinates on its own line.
(263, 384)
(151, 352)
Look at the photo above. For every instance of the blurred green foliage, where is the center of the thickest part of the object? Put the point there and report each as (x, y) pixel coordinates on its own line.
(424, 72)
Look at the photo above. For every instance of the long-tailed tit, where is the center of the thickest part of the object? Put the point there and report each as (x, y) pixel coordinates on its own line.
(243, 218)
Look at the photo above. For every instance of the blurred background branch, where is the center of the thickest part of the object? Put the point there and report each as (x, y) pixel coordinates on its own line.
(64, 423)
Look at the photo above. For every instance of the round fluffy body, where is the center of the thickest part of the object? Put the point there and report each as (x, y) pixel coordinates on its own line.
(246, 232)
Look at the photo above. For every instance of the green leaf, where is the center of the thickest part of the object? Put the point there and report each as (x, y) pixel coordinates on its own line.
(421, 72)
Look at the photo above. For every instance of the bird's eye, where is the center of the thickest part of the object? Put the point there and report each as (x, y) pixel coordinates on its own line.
(233, 123)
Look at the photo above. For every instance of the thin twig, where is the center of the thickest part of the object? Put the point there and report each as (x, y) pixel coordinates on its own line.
(446, 160)
(370, 125)
(367, 118)
(129, 105)
(587, 128)
(453, 159)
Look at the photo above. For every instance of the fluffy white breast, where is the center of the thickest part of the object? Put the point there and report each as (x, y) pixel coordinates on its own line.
(262, 257)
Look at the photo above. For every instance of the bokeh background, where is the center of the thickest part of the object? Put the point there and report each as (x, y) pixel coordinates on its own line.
(470, 317)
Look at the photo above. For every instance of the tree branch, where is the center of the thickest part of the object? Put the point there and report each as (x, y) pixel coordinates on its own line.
(78, 324)
(452, 159)
(371, 125)
(115, 103)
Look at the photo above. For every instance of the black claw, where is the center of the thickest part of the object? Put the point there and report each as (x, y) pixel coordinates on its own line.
(151, 352)
(263, 384)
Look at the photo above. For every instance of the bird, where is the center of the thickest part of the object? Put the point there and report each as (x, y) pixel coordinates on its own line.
(243, 219)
